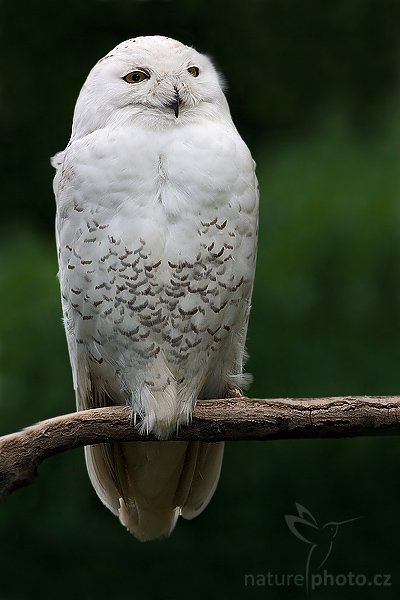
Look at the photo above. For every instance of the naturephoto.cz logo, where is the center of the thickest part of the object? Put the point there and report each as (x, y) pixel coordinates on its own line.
(320, 540)
(316, 580)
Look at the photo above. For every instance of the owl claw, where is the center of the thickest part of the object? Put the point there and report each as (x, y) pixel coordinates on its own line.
(133, 418)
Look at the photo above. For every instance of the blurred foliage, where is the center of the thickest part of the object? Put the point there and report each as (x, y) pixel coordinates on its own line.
(329, 263)
(312, 87)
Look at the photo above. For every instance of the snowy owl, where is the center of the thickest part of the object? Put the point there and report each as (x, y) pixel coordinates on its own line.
(156, 227)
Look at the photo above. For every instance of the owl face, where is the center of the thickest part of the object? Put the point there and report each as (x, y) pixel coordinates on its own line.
(152, 78)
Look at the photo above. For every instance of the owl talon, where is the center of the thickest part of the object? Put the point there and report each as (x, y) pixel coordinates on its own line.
(133, 418)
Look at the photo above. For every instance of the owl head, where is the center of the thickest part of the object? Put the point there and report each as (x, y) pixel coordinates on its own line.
(153, 79)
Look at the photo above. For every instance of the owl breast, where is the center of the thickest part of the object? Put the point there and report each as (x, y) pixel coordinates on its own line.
(157, 238)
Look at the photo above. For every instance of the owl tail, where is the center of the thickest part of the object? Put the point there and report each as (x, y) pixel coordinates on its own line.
(149, 484)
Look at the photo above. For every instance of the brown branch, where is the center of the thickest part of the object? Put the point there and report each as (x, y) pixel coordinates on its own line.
(213, 420)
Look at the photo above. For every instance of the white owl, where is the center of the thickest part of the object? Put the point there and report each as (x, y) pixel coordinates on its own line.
(157, 208)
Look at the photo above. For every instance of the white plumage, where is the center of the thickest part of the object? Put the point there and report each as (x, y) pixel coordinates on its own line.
(157, 209)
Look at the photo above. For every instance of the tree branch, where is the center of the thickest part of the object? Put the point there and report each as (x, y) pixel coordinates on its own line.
(213, 420)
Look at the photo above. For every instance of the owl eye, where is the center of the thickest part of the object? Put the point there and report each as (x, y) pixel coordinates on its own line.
(194, 71)
(136, 77)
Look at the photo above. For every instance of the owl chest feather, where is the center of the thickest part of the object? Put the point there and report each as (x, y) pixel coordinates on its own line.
(157, 242)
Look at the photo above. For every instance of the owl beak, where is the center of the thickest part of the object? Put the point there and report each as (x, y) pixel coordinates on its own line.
(175, 103)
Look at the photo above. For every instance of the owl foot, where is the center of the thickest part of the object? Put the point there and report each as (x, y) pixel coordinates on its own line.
(233, 392)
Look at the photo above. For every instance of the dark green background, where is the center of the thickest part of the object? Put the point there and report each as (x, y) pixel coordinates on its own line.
(313, 88)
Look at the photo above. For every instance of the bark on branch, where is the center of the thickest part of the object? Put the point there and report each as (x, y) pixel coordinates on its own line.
(213, 420)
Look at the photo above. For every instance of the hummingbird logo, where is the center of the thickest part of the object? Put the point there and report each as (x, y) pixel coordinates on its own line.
(319, 537)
